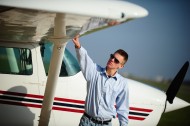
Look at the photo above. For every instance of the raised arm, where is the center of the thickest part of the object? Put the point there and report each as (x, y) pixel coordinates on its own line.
(88, 67)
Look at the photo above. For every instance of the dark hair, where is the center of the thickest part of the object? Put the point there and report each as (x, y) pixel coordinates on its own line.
(123, 53)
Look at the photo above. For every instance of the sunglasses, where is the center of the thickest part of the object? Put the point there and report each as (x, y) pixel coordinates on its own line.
(115, 59)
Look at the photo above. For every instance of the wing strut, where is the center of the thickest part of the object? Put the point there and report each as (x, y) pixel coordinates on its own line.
(54, 70)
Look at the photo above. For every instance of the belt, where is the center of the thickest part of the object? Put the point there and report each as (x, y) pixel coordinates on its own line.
(97, 121)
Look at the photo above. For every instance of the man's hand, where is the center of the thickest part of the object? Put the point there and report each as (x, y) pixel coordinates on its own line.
(111, 23)
(76, 41)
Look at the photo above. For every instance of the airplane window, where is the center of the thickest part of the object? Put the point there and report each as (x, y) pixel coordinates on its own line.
(69, 65)
(15, 61)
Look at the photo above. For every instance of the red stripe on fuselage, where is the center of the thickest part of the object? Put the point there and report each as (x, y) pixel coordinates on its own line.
(40, 97)
(136, 118)
(140, 109)
(21, 94)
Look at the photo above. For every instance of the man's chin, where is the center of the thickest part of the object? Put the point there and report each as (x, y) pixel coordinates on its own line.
(109, 66)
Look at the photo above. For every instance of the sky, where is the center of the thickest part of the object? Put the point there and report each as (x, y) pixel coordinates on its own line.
(158, 45)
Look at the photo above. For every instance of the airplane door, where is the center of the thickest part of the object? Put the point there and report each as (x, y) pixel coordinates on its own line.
(19, 84)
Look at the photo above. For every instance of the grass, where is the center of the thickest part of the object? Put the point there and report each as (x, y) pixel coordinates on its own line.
(178, 117)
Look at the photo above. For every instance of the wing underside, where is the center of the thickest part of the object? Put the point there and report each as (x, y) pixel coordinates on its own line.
(31, 25)
(24, 21)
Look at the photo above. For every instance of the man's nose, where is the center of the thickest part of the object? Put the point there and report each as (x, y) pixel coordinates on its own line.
(112, 59)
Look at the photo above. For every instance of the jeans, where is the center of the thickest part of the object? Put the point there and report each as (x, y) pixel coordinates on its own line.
(84, 121)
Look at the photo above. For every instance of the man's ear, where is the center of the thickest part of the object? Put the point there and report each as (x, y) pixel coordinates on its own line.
(121, 66)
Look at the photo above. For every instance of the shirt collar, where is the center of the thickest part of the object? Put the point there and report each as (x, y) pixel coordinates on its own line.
(103, 72)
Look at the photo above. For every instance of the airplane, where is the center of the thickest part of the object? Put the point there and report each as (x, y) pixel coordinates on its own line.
(41, 81)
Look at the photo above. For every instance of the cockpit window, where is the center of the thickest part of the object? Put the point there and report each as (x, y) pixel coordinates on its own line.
(15, 61)
(69, 65)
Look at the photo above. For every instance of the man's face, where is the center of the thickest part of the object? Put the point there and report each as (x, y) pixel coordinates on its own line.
(116, 61)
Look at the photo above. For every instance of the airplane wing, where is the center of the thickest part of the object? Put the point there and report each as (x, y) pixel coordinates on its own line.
(31, 21)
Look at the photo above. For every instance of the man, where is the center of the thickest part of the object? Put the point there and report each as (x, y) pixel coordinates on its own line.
(107, 91)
